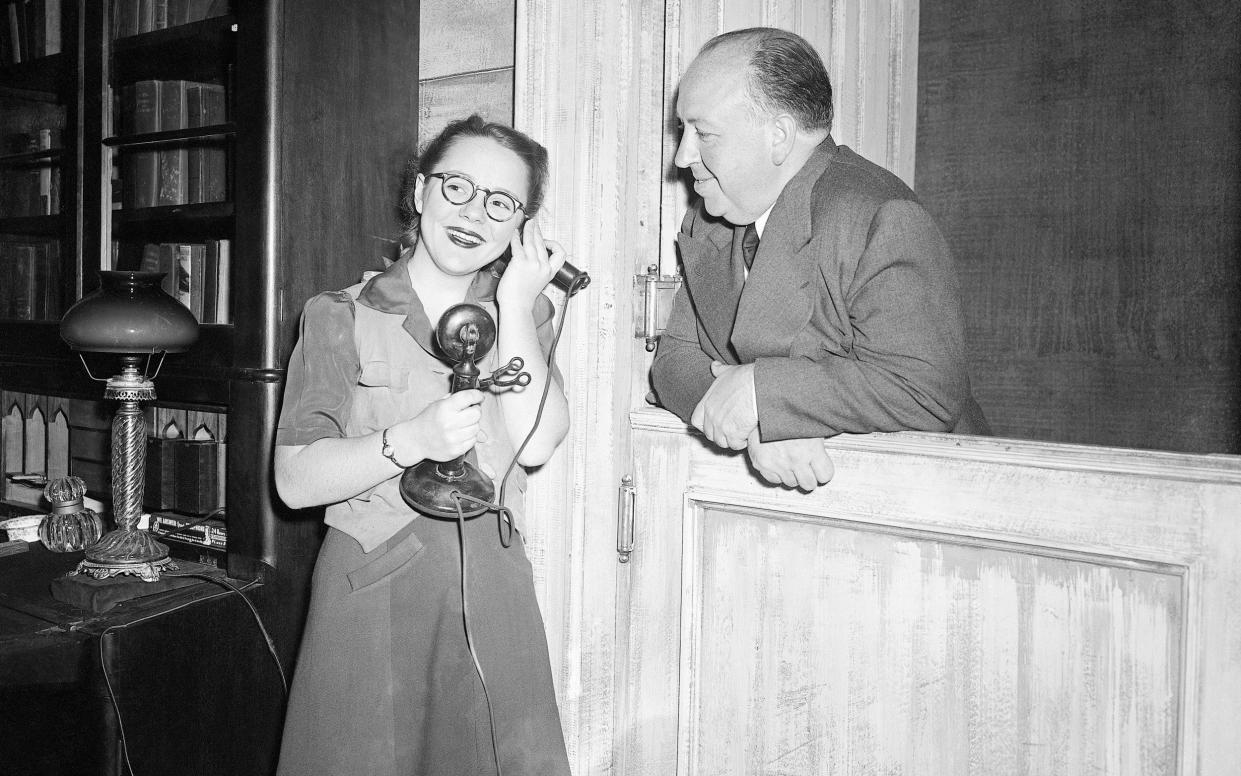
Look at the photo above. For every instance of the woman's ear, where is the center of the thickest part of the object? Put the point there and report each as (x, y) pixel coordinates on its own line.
(420, 186)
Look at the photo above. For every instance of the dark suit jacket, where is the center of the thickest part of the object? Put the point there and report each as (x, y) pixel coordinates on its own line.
(851, 313)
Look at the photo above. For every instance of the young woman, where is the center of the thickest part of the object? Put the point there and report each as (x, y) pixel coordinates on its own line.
(386, 681)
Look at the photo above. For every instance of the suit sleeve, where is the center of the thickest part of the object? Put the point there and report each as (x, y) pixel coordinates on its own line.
(905, 368)
(681, 371)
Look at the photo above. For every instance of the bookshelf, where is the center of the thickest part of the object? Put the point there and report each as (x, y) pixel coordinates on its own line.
(38, 162)
(286, 143)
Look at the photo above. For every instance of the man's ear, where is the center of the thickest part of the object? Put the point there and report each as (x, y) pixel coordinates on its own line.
(783, 135)
(420, 187)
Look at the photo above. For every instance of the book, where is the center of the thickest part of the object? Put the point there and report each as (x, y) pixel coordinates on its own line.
(150, 258)
(168, 265)
(51, 28)
(146, 16)
(48, 202)
(183, 274)
(223, 311)
(19, 263)
(160, 482)
(211, 533)
(124, 18)
(207, 157)
(196, 469)
(159, 14)
(141, 104)
(173, 160)
(197, 280)
(210, 281)
(47, 281)
(16, 44)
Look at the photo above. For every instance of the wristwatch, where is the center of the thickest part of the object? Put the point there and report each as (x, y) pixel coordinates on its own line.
(388, 452)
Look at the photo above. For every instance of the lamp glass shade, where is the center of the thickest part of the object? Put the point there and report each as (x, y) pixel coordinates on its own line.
(129, 313)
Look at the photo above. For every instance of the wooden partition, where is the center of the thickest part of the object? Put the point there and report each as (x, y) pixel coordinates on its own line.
(945, 605)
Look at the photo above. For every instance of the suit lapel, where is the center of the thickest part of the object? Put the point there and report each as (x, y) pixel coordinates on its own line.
(773, 306)
(713, 277)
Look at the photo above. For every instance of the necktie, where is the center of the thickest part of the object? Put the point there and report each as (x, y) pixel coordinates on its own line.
(749, 245)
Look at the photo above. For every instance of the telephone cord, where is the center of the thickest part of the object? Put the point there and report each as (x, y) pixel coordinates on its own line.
(504, 518)
(103, 663)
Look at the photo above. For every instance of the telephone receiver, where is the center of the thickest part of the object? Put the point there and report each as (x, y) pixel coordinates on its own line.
(568, 278)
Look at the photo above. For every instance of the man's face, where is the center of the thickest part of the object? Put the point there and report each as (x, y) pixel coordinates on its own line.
(724, 143)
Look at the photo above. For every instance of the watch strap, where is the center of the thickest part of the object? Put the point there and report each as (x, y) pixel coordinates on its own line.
(388, 452)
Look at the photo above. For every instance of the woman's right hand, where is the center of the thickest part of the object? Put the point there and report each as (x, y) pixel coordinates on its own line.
(445, 429)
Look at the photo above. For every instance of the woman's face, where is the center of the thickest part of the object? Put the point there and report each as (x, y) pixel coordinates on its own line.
(461, 239)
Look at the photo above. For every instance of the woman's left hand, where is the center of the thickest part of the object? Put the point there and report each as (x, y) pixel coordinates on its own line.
(534, 263)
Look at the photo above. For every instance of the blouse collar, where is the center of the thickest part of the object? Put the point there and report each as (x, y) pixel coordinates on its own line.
(391, 291)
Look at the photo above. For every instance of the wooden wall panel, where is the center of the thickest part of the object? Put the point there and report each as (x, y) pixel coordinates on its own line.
(1082, 159)
(464, 36)
(823, 647)
(945, 605)
(465, 63)
(441, 100)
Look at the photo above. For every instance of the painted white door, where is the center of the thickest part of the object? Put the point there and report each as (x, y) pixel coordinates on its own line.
(944, 606)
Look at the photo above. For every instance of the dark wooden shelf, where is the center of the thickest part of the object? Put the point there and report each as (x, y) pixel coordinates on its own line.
(43, 78)
(31, 158)
(37, 226)
(174, 137)
(200, 51)
(175, 223)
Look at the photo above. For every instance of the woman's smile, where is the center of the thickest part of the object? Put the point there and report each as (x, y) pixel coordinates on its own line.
(464, 237)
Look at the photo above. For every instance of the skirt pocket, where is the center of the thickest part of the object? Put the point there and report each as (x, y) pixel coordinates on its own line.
(397, 552)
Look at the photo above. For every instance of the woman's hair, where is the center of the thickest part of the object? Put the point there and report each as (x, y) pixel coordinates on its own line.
(786, 74)
(529, 151)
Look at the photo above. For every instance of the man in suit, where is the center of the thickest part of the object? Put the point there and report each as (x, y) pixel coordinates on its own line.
(845, 318)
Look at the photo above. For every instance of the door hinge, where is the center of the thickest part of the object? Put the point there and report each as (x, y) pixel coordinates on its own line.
(654, 294)
(624, 518)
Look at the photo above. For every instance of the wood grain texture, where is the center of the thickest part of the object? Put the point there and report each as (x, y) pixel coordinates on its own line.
(464, 36)
(489, 94)
(1081, 160)
(944, 605)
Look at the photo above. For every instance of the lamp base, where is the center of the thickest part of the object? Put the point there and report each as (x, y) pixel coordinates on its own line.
(126, 551)
(426, 488)
(146, 571)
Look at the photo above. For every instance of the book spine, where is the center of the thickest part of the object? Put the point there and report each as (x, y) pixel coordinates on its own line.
(223, 309)
(13, 11)
(184, 275)
(196, 469)
(172, 161)
(142, 101)
(51, 27)
(198, 258)
(160, 484)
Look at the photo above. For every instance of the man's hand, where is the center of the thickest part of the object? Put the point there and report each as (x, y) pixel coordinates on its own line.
(794, 463)
(728, 412)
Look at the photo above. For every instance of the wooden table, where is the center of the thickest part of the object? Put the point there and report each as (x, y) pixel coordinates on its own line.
(188, 669)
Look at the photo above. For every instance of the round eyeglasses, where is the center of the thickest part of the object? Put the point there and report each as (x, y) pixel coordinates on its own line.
(460, 189)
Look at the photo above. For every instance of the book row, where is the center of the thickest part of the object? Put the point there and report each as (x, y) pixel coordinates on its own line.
(31, 272)
(31, 189)
(192, 171)
(195, 274)
(134, 17)
(29, 29)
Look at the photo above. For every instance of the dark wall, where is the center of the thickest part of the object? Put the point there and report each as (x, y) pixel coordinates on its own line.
(1082, 159)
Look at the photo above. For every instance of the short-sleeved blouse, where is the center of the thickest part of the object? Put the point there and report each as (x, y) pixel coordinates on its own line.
(326, 378)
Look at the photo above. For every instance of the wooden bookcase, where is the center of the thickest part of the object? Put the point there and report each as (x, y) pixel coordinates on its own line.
(320, 112)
